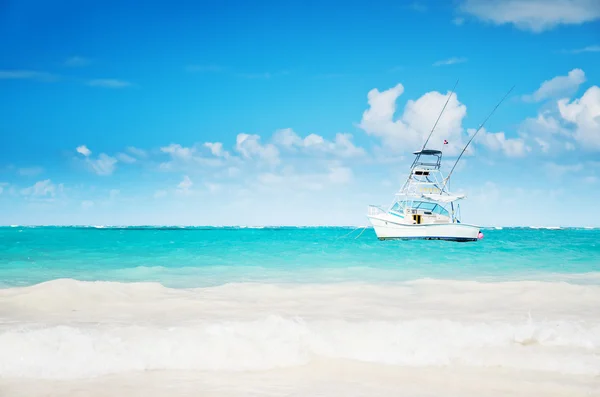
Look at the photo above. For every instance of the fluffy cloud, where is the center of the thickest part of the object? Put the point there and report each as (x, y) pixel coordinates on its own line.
(185, 185)
(187, 158)
(140, 153)
(102, 165)
(533, 15)
(584, 115)
(558, 86)
(216, 148)
(178, 152)
(249, 147)
(125, 158)
(87, 204)
(547, 131)
(43, 188)
(342, 145)
(83, 150)
(497, 141)
(410, 131)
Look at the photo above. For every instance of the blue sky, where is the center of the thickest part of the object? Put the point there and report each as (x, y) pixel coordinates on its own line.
(294, 112)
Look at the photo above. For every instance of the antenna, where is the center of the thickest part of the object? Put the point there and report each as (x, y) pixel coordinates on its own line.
(480, 127)
(440, 116)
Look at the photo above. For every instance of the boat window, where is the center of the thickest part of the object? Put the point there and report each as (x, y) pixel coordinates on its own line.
(397, 207)
(441, 210)
(429, 206)
(425, 206)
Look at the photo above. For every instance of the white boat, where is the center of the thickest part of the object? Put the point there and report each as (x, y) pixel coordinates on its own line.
(423, 208)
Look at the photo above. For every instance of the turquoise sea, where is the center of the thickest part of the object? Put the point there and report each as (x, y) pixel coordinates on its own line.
(284, 311)
(205, 256)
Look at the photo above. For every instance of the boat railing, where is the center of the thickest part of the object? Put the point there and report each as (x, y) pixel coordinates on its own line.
(375, 210)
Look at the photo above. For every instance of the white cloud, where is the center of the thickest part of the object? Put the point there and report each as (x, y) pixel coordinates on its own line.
(40, 189)
(103, 165)
(558, 86)
(87, 204)
(410, 131)
(450, 61)
(544, 146)
(533, 15)
(342, 146)
(497, 141)
(2, 185)
(590, 48)
(178, 152)
(30, 171)
(75, 62)
(125, 158)
(250, 147)
(137, 152)
(185, 184)
(287, 137)
(83, 150)
(584, 114)
(109, 83)
(186, 157)
(216, 148)
(544, 124)
(27, 75)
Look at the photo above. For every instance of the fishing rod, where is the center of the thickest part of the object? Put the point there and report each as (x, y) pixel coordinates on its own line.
(431, 132)
(480, 127)
(440, 116)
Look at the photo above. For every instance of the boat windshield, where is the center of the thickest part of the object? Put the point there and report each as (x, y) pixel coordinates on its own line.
(399, 207)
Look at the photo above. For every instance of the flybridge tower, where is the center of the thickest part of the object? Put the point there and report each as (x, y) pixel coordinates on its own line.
(425, 180)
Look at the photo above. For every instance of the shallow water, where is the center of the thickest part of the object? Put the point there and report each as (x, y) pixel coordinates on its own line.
(289, 311)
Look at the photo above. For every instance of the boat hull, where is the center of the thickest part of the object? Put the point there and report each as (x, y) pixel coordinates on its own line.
(388, 230)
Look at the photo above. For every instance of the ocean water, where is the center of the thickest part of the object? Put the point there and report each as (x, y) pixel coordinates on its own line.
(297, 311)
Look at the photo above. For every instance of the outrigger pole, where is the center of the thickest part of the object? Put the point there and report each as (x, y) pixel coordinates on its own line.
(480, 127)
(440, 116)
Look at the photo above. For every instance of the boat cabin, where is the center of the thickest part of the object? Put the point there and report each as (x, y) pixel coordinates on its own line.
(420, 212)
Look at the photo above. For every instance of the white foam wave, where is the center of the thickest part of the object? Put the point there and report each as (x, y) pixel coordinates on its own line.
(67, 329)
(65, 352)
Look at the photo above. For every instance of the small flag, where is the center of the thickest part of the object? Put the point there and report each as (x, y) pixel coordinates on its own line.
(445, 142)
